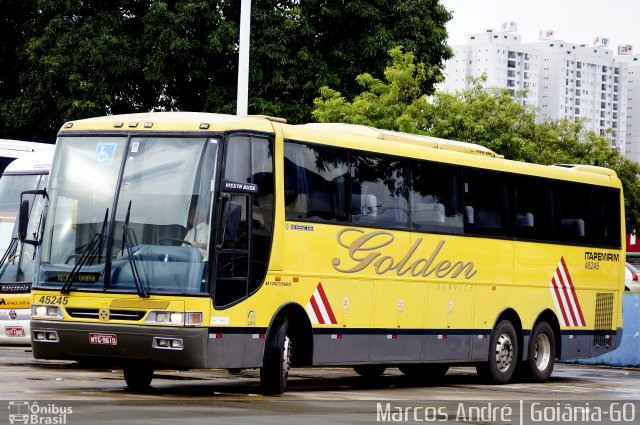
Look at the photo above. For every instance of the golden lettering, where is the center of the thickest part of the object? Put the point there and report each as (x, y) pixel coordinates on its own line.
(366, 249)
(459, 267)
(442, 268)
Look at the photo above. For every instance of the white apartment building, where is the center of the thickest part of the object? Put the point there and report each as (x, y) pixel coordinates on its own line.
(579, 81)
(501, 56)
(565, 80)
(630, 68)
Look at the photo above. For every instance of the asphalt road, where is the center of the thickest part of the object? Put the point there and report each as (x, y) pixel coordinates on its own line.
(33, 391)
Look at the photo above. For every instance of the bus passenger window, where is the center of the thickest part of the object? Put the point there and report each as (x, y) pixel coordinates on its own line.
(574, 212)
(379, 191)
(314, 183)
(435, 198)
(485, 195)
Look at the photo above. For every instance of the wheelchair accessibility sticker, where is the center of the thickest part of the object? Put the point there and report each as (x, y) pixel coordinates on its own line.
(105, 153)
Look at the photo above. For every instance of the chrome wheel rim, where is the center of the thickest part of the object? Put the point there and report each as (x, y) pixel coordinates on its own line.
(504, 352)
(286, 356)
(542, 352)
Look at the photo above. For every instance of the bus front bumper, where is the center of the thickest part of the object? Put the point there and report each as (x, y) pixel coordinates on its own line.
(120, 345)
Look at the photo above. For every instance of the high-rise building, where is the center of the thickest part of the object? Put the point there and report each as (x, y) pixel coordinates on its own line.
(630, 68)
(501, 56)
(564, 80)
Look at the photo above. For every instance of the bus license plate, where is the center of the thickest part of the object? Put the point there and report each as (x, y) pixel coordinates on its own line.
(103, 339)
(17, 331)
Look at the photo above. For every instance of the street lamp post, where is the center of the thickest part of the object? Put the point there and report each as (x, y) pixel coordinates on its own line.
(243, 59)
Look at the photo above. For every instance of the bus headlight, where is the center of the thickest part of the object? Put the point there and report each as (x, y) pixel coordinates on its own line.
(189, 318)
(46, 312)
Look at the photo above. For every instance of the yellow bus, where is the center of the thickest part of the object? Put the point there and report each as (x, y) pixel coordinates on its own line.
(195, 240)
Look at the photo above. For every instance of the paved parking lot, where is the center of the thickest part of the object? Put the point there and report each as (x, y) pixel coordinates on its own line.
(70, 393)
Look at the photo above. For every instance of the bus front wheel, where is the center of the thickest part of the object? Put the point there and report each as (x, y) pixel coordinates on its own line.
(542, 353)
(274, 372)
(138, 378)
(503, 355)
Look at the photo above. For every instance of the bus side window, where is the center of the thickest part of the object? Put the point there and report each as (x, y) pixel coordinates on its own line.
(435, 197)
(379, 191)
(486, 203)
(574, 213)
(314, 183)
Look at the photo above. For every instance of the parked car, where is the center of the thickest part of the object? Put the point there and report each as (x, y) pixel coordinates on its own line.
(631, 278)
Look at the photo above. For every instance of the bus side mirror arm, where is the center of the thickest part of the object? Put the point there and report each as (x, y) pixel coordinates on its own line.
(24, 215)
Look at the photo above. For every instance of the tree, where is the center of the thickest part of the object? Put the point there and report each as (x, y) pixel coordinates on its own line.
(13, 15)
(84, 58)
(301, 46)
(488, 116)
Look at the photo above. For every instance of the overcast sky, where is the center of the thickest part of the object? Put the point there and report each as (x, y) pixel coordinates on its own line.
(574, 21)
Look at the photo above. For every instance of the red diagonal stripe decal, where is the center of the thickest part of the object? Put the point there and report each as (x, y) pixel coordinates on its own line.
(327, 306)
(573, 292)
(565, 296)
(558, 298)
(316, 310)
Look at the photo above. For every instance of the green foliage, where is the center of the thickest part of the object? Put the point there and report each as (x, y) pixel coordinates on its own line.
(488, 116)
(395, 106)
(70, 59)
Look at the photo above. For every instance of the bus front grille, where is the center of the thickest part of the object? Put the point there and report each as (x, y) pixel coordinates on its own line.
(94, 313)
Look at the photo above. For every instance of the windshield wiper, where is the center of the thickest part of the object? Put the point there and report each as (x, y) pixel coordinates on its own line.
(127, 237)
(10, 251)
(88, 256)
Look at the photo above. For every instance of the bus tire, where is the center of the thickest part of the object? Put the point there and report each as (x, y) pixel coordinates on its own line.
(503, 355)
(370, 370)
(138, 378)
(432, 371)
(541, 354)
(274, 372)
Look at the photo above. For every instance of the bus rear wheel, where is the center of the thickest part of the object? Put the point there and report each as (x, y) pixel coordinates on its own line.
(542, 353)
(138, 378)
(503, 355)
(370, 370)
(274, 372)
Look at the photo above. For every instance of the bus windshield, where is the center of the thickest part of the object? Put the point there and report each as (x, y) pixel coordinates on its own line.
(10, 188)
(16, 267)
(129, 214)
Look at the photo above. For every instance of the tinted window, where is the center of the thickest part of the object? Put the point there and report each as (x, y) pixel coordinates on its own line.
(534, 208)
(315, 182)
(587, 214)
(485, 202)
(337, 185)
(379, 191)
(436, 197)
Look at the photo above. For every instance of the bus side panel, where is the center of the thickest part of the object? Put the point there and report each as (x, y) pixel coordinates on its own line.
(343, 336)
(577, 284)
(399, 314)
(461, 311)
(399, 305)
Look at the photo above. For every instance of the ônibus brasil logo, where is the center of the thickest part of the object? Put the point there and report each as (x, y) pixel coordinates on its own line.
(30, 412)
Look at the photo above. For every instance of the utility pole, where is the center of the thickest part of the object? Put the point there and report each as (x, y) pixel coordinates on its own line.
(243, 59)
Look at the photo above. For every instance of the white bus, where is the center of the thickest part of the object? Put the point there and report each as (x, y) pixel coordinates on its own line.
(12, 149)
(29, 172)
